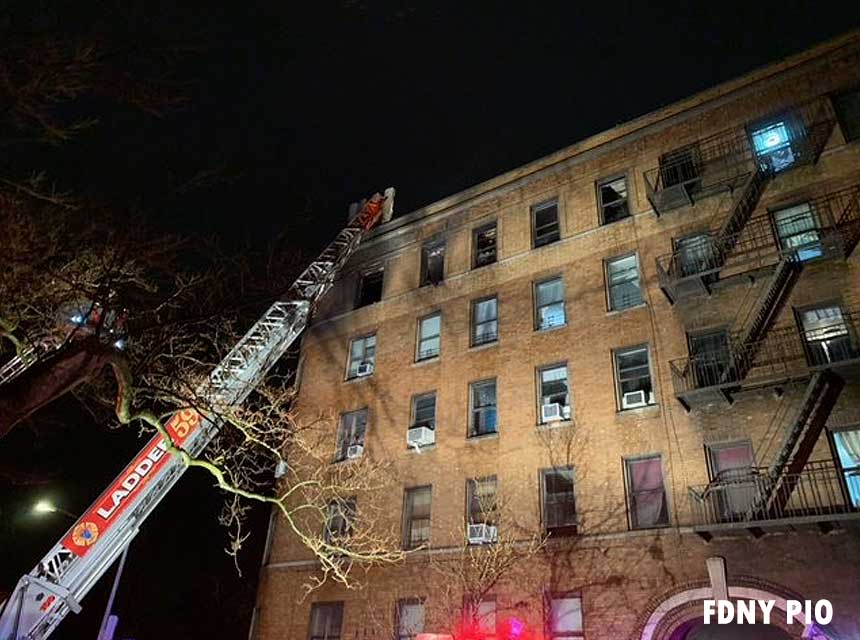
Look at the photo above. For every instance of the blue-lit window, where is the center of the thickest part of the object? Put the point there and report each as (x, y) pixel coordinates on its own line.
(772, 145)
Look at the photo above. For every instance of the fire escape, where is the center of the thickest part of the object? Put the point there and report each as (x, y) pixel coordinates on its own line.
(772, 249)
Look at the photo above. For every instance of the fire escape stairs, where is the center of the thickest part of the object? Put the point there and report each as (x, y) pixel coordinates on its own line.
(848, 227)
(724, 239)
(761, 318)
(818, 401)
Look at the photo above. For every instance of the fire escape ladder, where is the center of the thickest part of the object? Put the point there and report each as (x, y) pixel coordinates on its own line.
(818, 401)
(729, 233)
(761, 318)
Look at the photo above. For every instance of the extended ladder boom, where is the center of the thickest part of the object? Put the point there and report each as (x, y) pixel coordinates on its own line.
(44, 597)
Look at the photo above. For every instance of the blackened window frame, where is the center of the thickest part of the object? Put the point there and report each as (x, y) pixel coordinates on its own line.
(428, 249)
(477, 263)
(557, 233)
(568, 528)
(854, 129)
(625, 201)
(362, 287)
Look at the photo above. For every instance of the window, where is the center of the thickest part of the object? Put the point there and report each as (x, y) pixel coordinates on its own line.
(772, 142)
(429, 337)
(553, 390)
(622, 282)
(545, 229)
(847, 107)
(564, 617)
(340, 516)
(798, 231)
(847, 444)
(633, 377)
(694, 254)
(410, 618)
(483, 410)
(424, 410)
(734, 487)
(612, 199)
(350, 434)
(485, 247)
(827, 335)
(433, 262)
(680, 167)
(362, 356)
(370, 288)
(485, 321)
(482, 502)
(646, 495)
(549, 304)
(710, 356)
(481, 616)
(416, 517)
(559, 504)
(326, 620)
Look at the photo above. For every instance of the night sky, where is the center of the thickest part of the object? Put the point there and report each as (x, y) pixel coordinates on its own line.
(299, 111)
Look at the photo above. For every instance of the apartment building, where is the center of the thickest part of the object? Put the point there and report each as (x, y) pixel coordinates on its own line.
(644, 345)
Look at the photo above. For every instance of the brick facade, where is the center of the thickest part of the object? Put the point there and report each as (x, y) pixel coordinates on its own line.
(621, 575)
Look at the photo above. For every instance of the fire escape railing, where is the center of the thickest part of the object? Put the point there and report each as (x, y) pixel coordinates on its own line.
(822, 488)
(785, 352)
(834, 233)
(719, 162)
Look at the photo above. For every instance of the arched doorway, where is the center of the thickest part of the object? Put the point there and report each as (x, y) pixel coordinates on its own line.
(698, 630)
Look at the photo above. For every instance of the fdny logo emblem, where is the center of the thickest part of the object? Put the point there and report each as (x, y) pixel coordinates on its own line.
(85, 534)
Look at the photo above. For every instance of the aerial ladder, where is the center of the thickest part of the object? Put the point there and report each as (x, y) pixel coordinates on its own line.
(56, 586)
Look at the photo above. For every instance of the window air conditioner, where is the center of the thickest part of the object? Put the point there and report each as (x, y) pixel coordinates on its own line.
(420, 436)
(551, 412)
(354, 451)
(364, 369)
(633, 399)
(481, 533)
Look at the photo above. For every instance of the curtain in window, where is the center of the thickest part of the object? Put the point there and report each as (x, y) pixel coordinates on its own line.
(565, 617)
(648, 494)
(410, 619)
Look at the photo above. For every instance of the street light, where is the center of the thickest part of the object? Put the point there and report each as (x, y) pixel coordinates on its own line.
(46, 506)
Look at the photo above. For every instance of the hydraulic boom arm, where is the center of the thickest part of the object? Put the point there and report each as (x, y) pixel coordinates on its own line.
(44, 596)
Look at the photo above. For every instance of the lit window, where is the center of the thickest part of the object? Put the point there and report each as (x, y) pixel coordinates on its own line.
(847, 107)
(370, 288)
(350, 435)
(326, 620)
(483, 410)
(485, 321)
(799, 232)
(410, 619)
(433, 262)
(545, 229)
(827, 335)
(362, 356)
(633, 377)
(559, 502)
(646, 494)
(554, 397)
(340, 515)
(485, 249)
(622, 282)
(612, 195)
(429, 337)
(416, 525)
(549, 304)
(565, 617)
(772, 142)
